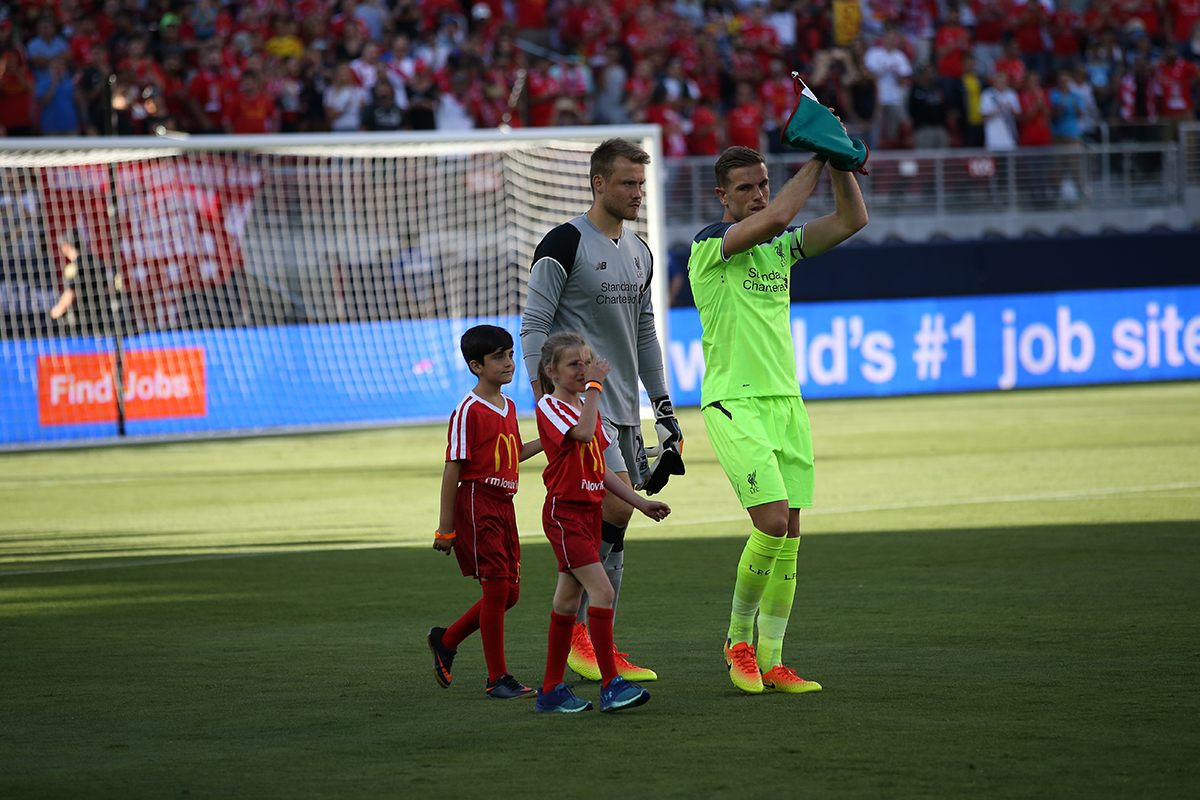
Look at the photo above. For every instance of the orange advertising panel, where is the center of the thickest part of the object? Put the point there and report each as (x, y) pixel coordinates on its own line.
(158, 384)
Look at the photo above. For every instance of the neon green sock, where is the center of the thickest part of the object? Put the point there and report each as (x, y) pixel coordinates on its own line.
(776, 607)
(754, 572)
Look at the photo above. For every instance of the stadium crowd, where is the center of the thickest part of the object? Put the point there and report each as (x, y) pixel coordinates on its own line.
(901, 73)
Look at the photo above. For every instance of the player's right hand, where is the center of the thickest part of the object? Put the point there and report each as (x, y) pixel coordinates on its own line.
(443, 545)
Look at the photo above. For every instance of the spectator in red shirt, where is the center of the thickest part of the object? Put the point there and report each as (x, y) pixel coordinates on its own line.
(675, 127)
(339, 22)
(778, 96)
(951, 42)
(491, 107)
(207, 91)
(1065, 27)
(705, 138)
(16, 86)
(1011, 64)
(104, 18)
(746, 119)
(706, 72)
(543, 91)
(175, 95)
(1033, 125)
(84, 36)
(638, 89)
(252, 110)
(1100, 16)
(251, 19)
(1177, 78)
(759, 36)
(1031, 16)
(140, 70)
(1183, 16)
(744, 66)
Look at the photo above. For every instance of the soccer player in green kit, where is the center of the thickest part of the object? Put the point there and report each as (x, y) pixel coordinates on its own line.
(740, 270)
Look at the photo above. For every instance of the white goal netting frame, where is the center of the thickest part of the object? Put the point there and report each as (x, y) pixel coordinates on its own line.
(238, 284)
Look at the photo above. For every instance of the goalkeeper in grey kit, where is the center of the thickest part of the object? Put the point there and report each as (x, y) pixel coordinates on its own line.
(593, 275)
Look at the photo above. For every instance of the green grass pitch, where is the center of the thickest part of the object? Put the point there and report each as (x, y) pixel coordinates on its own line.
(999, 592)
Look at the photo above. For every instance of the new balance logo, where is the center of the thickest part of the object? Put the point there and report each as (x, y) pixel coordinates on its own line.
(601, 265)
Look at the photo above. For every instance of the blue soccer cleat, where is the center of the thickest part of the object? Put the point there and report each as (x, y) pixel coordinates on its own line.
(621, 693)
(562, 700)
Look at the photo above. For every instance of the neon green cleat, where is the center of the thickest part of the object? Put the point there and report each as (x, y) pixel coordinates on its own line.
(632, 672)
(782, 679)
(743, 668)
(582, 657)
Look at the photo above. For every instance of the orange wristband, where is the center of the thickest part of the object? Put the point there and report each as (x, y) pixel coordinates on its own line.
(443, 536)
(597, 385)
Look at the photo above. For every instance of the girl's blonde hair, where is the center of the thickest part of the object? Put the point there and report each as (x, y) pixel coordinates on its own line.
(552, 350)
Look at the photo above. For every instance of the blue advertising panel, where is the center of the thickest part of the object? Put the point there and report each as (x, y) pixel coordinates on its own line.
(886, 347)
(248, 379)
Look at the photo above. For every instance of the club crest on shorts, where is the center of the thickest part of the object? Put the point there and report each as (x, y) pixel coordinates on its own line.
(752, 480)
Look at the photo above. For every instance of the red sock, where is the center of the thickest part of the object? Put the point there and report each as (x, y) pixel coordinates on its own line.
(600, 622)
(491, 626)
(561, 627)
(463, 627)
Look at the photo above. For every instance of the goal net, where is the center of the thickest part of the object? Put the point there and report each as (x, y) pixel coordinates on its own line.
(238, 284)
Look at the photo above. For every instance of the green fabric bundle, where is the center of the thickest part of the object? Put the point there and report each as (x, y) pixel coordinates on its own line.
(814, 128)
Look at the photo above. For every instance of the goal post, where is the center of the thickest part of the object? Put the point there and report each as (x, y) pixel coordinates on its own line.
(219, 285)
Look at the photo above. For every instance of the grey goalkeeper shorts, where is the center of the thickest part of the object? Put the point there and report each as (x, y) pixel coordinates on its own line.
(626, 451)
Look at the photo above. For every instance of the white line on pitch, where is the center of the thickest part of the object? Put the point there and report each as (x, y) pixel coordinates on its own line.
(1075, 494)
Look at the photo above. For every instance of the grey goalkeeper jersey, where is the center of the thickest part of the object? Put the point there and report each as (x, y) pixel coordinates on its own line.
(583, 281)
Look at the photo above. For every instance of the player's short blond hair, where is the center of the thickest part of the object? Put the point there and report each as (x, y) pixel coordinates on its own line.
(604, 157)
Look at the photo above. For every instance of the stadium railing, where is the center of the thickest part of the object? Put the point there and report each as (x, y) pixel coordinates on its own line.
(917, 195)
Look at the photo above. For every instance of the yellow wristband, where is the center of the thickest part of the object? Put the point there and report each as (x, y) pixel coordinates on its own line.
(597, 385)
(439, 535)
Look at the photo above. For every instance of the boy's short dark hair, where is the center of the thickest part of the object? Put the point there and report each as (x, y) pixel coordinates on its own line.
(483, 340)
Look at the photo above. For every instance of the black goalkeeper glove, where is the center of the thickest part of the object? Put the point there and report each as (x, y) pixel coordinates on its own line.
(669, 451)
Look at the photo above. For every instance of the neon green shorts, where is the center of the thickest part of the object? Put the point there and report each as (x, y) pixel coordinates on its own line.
(764, 444)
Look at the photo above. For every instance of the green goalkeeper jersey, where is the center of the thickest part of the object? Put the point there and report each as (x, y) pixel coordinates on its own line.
(744, 306)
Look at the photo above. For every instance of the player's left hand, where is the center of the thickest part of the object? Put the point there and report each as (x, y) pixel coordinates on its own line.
(444, 545)
(656, 511)
(669, 451)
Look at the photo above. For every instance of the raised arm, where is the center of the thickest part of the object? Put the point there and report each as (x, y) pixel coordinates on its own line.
(848, 218)
(778, 214)
(585, 429)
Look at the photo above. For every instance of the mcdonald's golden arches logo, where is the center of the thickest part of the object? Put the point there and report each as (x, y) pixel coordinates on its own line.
(592, 448)
(512, 450)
